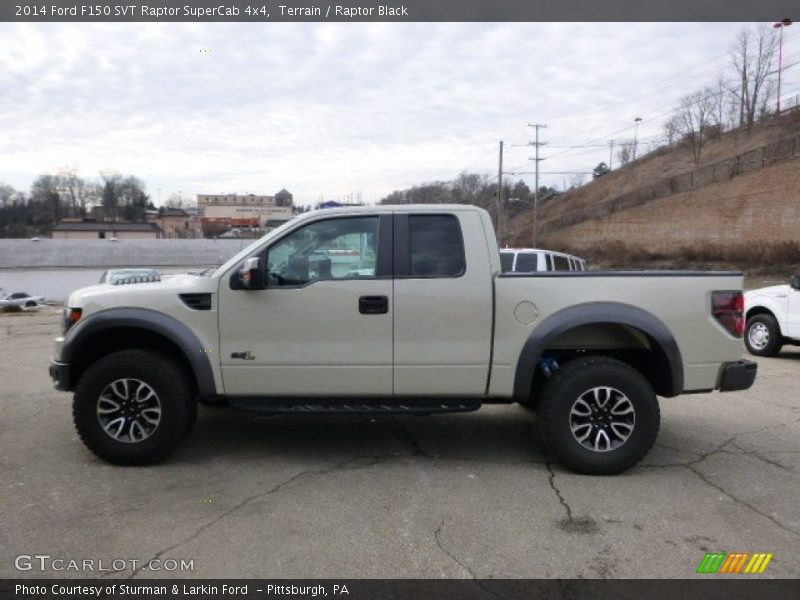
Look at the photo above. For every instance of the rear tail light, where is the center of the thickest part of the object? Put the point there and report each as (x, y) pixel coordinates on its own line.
(728, 309)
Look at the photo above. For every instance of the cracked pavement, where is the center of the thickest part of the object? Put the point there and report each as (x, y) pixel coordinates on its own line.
(465, 496)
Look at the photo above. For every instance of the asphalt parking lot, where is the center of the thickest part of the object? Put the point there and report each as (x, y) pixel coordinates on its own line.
(468, 495)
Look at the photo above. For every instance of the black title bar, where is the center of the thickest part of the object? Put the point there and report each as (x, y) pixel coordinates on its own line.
(399, 11)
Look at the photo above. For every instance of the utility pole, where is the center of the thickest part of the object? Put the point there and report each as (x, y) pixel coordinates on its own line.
(499, 199)
(780, 25)
(610, 154)
(536, 144)
(636, 122)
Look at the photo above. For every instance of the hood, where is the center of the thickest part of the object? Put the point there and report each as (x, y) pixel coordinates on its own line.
(145, 294)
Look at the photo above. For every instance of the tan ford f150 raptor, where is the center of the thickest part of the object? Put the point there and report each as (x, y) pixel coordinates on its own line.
(398, 309)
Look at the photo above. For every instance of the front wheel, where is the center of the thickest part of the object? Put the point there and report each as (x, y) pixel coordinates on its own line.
(133, 407)
(599, 416)
(763, 336)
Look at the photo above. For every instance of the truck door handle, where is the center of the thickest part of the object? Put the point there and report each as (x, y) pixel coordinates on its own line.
(373, 305)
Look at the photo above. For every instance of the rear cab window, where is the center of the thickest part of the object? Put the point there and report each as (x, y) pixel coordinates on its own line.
(436, 246)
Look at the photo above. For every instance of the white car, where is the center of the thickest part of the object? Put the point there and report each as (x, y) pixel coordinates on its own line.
(531, 260)
(21, 300)
(773, 318)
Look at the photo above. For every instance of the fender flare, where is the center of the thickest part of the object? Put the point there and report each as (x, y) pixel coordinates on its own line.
(592, 313)
(153, 321)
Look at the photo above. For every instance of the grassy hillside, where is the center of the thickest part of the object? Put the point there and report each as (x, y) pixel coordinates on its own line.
(738, 207)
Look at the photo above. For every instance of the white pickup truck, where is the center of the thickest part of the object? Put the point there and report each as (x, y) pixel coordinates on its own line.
(773, 318)
(398, 309)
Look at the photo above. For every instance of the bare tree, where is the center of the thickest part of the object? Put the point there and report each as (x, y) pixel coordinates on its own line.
(695, 116)
(751, 59)
(625, 152)
(671, 130)
(6, 194)
(76, 190)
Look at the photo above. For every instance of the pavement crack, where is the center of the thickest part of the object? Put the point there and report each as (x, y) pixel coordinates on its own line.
(341, 466)
(755, 454)
(399, 430)
(739, 501)
(551, 479)
(437, 535)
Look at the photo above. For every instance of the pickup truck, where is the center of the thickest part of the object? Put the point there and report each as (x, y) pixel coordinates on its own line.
(398, 309)
(773, 318)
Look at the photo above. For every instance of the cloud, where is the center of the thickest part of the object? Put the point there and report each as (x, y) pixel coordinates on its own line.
(325, 109)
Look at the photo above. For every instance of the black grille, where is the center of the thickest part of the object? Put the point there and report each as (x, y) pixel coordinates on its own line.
(197, 301)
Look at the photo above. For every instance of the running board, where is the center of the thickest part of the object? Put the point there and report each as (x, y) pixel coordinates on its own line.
(349, 407)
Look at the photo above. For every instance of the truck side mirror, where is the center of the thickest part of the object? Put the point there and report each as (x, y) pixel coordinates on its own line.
(795, 282)
(251, 274)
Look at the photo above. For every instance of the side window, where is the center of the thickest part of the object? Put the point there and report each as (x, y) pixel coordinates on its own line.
(561, 263)
(437, 248)
(343, 248)
(527, 262)
(506, 261)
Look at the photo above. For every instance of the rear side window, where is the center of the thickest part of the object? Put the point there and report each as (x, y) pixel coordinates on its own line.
(561, 263)
(527, 263)
(437, 248)
(506, 261)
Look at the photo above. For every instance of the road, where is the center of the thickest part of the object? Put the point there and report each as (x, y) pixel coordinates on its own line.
(467, 495)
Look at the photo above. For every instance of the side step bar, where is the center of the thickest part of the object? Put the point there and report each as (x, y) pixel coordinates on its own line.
(277, 406)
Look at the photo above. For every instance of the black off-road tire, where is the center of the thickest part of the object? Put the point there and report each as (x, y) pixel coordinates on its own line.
(560, 396)
(174, 394)
(773, 343)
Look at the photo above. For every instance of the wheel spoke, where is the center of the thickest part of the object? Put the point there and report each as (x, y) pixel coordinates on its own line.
(602, 435)
(137, 432)
(624, 433)
(118, 423)
(622, 407)
(586, 427)
(107, 406)
(151, 415)
(586, 409)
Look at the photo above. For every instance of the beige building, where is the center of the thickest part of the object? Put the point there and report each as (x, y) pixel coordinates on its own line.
(92, 230)
(175, 223)
(267, 211)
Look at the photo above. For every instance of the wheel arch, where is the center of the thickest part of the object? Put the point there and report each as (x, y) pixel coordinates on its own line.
(660, 343)
(763, 309)
(111, 330)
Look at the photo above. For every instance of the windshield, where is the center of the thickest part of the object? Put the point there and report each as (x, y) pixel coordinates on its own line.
(251, 249)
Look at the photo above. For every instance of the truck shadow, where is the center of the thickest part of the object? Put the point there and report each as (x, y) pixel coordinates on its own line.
(503, 434)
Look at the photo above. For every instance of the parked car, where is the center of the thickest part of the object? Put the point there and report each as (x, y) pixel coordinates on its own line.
(530, 260)
(124, 276)
(20, 300)
(773, 318)
(436, 328)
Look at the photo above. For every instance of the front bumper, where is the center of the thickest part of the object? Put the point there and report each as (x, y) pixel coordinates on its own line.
(59, 373)
(738, 375)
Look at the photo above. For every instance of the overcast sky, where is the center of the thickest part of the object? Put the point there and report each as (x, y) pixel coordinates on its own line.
(326, 110)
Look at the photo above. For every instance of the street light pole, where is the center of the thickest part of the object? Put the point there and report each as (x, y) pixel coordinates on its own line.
(780, 25)
(636, 122)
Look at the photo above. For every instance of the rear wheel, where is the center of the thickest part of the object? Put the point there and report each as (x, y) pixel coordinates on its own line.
(763, 335)
(133, 407)
(599, 416)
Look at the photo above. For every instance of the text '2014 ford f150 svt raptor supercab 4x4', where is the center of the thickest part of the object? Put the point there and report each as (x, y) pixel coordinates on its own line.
(398, 309)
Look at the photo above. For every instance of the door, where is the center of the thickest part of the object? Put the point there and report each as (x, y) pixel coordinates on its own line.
(443, 305)
(323, 324)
